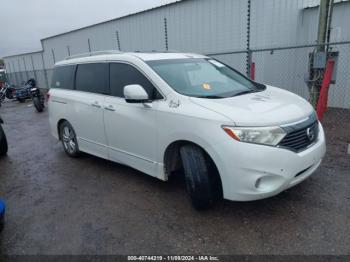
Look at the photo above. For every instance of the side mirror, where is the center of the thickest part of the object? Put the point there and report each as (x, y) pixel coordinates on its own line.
(135, 94)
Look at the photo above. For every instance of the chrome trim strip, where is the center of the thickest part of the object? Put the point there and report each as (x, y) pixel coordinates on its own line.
(295, 123)
(312, 118)
(59, 102)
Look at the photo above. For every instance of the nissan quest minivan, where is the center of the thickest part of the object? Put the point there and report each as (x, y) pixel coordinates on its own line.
(162, 113)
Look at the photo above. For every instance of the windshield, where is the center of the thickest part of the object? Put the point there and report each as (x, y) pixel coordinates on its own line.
(205, 78)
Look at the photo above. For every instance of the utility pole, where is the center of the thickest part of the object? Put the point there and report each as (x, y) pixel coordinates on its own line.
(319, 57)
(322, 24)
(249, 52)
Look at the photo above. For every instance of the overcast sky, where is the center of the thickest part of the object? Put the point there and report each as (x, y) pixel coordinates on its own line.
(25, 22)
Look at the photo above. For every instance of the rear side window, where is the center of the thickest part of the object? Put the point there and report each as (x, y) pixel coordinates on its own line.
(122, 75)
(63, 77)
(91, 78)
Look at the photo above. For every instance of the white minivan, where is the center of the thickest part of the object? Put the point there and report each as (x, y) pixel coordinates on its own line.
(165, 112)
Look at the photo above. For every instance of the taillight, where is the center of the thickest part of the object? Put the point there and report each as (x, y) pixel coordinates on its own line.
(47, 97)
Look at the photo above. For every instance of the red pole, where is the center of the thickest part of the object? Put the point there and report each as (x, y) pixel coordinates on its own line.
(252, 71)
(323, 99)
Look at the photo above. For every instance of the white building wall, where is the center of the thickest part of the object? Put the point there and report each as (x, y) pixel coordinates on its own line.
(22, 67)
(288, 68)
(212, 26)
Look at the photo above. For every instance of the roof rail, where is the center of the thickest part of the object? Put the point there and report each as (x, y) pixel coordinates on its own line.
(95, 53)
(157, 51)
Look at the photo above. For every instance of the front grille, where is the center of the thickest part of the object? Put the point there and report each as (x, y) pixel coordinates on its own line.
(298, 139)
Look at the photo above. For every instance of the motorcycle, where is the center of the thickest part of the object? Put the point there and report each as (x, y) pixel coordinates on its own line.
(23, 93)
(3, 151)
(6, 91)
(38, 99)
(3, 141)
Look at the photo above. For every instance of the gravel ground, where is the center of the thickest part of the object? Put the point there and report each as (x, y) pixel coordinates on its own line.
(58, 205)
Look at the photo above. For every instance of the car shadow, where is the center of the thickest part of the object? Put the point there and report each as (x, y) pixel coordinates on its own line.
(174, 191)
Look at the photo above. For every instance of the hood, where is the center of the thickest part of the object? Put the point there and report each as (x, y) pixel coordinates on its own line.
(273, 106)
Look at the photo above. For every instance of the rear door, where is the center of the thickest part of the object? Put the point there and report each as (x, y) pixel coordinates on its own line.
(60, 104)
(89, 97)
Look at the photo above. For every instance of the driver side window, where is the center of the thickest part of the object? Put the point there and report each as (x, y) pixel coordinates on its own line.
(122, 75)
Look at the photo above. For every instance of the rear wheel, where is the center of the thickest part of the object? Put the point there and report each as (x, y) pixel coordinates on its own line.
(3, 142)
(21, 100)
(69, 139)
(201, 176)
(38, 104)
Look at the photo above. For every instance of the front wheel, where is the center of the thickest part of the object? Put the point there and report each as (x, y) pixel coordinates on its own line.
(201, 176)
(3, 142)
(39, 106)
(2, 99)
(69, 139)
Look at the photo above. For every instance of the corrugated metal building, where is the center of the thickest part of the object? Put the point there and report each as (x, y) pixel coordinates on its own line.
(208, 27)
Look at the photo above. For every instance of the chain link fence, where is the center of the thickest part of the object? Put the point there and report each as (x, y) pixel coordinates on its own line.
(288, 68)
(284, 67)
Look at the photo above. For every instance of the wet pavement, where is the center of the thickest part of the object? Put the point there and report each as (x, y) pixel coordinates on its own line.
(59, 205)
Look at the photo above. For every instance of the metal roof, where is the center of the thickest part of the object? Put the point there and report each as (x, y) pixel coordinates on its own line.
(22, 54)
(317, 4)
(104, 22)
(115, 19)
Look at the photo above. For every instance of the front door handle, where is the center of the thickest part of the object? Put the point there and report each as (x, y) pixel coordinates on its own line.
(110, 108)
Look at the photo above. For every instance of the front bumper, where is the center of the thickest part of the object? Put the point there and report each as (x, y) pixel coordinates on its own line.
(251, 172)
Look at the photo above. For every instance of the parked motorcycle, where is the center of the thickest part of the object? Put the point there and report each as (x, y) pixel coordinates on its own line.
(23, 93)
(38, 99)
(3, 140)
(3, 151)
(6, 91)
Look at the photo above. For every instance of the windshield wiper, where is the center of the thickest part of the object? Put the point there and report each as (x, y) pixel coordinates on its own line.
(210, 97)
(246, 92)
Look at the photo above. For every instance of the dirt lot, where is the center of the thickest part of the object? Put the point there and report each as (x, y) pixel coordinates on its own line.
(58, 205)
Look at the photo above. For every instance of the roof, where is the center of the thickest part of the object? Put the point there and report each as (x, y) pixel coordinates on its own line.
(104, 22)
(22, 54)
(115, 19)
(145, 56)
(317, 3)
(165, 55)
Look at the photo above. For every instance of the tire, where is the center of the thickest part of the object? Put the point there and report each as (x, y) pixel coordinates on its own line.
(9, 94)
(69, 139)
(21, 100)
(3, 142)
(38, 105)
(2, 215)
(201, 176)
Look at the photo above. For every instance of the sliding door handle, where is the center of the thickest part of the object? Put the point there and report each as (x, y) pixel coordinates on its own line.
(96, 104)
(110, 108)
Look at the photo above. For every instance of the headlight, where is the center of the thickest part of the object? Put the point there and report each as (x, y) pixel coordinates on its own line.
(258, 135)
